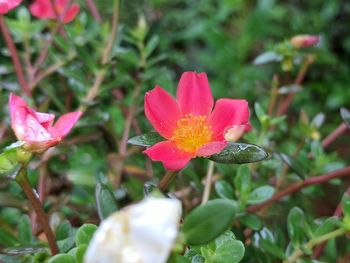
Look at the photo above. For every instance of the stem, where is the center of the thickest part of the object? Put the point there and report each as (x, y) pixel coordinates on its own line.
(22, 180)
(273, 94)
(208, 182)
(100, 76)
(313, 242)
(94, 11)
(334, 135)
(14, 55)
(299, 79)
(166, 180)
(299, 185)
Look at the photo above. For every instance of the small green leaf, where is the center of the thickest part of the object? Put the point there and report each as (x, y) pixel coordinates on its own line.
(251, 221)
(224, 189)
(267, 57)
(7, 238)
(345, 202)
(296, 226)
(62, 258)
(272, 248)
(194, 257)
(260, 195)
(345, 114)
(25, 231)
(327, 226)
(208, 221)
(294, 164)
(230, 252)
(105, 201)
(240, 153)
(80, 253)
(151, 45)
(260, 113)
(242, 182)
(84, 234)
(66, 244)
(146, 140)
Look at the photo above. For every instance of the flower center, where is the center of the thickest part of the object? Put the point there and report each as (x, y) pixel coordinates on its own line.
(192, 132)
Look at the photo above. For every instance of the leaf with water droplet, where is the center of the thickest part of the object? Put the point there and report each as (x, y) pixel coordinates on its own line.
(239, 153)
(146, 140)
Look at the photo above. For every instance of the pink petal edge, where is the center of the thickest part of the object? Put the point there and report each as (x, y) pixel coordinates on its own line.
(211, 148)
(194, 94)
(226, 113)
(64, 124)
(166, 152)
(162, 111)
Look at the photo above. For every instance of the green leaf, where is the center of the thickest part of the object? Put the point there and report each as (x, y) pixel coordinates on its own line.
(84, 234)
(242, 182)
(294, 164)
(260, 195)
(267, 57)
(151, 45)
(80, 253)
(345, 114)
(208, 221)
(64, 230)
(251, 221)
(224, 189)
(345, 202)
(24, 250)
(105, 201)
(146, 140)
(327, 226)
(194, 256)
(62, 258)
(230, 252)
(260, 113)
(7, 238)
(66, 244)
(296, 226)
(240, 153)
(25, 231)
(272, 248)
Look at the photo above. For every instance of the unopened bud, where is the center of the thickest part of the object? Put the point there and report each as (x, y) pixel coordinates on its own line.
(234, 133)
(302, 41)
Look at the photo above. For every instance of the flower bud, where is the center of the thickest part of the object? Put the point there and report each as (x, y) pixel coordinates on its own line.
(302, 41)
(141, 233)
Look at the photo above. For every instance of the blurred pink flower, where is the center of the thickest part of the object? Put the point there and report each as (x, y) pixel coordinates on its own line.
(190, 124)
(36, 128)
(301, 41)
(7, 5)
(45, 10)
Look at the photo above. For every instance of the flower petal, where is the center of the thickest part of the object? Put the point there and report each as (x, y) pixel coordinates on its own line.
(228, 112)
(19, 111)
(64, 124)
(194, 94)
(71, 13)
(7, 5)
(211, 148)
(162, 111)
(166, 152)
(45, 119)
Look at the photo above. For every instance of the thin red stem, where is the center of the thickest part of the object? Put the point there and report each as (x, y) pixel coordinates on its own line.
(299, 185)
(94, 11)
(334, 135)
(14, 55)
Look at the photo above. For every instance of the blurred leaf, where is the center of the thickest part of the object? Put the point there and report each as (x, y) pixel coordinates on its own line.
(272, 248)
(80, 253)
(240, 153)
(230, 252)
(62, 258)
(318, 120)
(25, 250)
(151, 45)
(260, 113)
(7, 238)
(194, 256)
(293, 88)
(293, 164)
(260, 194)
(345, 114)
(146, 140)
(84, 234)
(105, 201)
(224, 189)
(296, 226)
(267, 57)
(208, 221)
(345, 202)
(25, 231)
(242, 182)
(251, 221)
(327, 226)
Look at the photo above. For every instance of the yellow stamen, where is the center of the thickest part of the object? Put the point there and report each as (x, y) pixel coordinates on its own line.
(192, 132)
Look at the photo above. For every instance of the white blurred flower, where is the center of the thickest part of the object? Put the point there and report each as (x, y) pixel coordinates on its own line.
(141, 233)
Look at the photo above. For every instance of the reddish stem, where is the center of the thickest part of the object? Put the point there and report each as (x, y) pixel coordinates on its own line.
(94, 11)
(299, 185)
(14, 55)
(334, 135)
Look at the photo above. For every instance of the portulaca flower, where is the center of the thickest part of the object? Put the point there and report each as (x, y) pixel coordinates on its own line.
(141, 233)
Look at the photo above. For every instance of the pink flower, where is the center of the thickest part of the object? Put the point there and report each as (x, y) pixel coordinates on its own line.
(45, 10)
(7, 5)
(302, 41)
(36, 128)
(190, 125)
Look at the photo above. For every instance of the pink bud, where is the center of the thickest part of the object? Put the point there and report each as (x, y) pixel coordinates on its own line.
(7, 5)
(36, 128)
(302, 41)
(45, 10)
